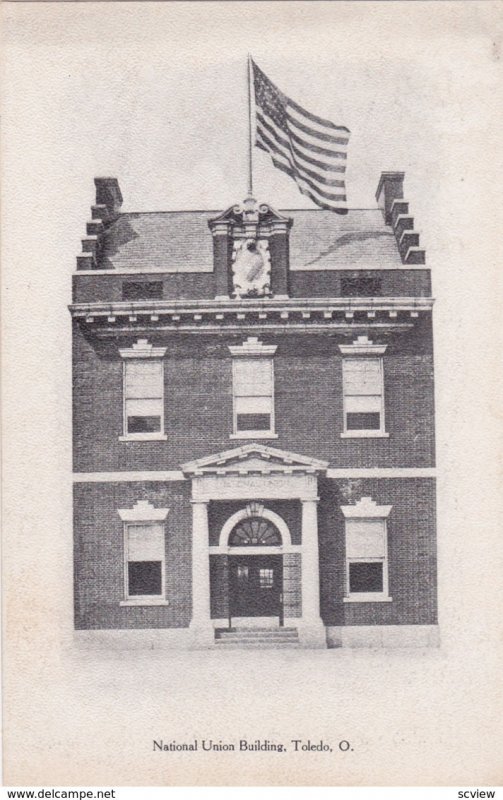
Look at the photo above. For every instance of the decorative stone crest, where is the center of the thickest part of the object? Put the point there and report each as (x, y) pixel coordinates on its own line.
(254, 509)
(250, 246)
(251, 268)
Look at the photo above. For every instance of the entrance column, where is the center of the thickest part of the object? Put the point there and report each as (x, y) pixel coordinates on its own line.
(311, 629)
(201, 627)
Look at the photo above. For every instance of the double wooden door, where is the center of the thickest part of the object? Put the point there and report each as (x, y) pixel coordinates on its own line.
(255, 585)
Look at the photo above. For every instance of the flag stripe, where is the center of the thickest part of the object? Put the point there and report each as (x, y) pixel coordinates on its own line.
(307, 148)
(341, 163)
(277, 133)
(322, 151)
(293, 155)
(294, 173)
(307, 173)
(312, 140)
(320, 164)
(339, 208)
(297, 116)
(269, 125)
(335, 199)
(324, 137)
(313, 118)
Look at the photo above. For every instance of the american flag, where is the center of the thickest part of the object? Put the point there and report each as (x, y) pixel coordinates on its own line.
(309, 149)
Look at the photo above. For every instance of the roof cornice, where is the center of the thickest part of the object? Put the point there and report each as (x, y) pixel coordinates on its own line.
(348, 316)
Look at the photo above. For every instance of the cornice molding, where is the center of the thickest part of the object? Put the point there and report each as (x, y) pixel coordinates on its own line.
(366, 508)
(268, 305)
(143, 349)
(143, 511)
(362, 346)
(253, 347)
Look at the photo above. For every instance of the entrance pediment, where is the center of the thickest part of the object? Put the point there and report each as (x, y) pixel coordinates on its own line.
(254, 458)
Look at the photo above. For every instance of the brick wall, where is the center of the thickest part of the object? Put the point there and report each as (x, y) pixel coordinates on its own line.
(411, 548)
(101, 288)
(176, 286)
(198, 402)
(99, 553)
(327, 283)
(292, 591)
(219, 586)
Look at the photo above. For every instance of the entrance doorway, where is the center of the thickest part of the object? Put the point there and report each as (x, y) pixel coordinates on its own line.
(255, 567)
(255, 586)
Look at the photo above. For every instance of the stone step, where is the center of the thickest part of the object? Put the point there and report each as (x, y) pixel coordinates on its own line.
(257, 639)
(257, 634)
(271, 639)
(256, 644)
(256, 630)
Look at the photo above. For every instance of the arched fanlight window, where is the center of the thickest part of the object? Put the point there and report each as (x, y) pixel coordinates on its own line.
(255, 531)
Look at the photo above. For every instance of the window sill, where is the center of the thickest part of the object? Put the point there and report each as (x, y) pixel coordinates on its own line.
(364, 435)
(143, 437)
(145, 602)
(367, 598)
(254, 435)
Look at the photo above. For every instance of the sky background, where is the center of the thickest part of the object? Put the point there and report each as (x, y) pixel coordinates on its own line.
(155, 94)
(160, 99)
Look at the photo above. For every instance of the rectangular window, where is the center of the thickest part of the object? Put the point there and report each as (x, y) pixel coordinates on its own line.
(142, 290)
(143, 397)
(365, 576)
(144, 561)
(363, 395)
(366, 559)
(361, 285)
(266, 578)
(253, 392)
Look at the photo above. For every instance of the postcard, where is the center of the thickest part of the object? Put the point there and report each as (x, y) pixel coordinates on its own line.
(251, 395)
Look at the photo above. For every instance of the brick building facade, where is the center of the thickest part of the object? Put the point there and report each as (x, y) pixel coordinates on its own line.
(254, 425)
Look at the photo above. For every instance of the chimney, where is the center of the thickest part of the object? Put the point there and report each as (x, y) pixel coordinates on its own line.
(105, 211)
(108, 199)
(390, 188)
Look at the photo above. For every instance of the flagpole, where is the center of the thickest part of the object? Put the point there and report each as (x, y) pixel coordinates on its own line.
(250, 162)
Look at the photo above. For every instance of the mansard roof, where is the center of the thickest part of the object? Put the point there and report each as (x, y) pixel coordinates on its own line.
(180, 241)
